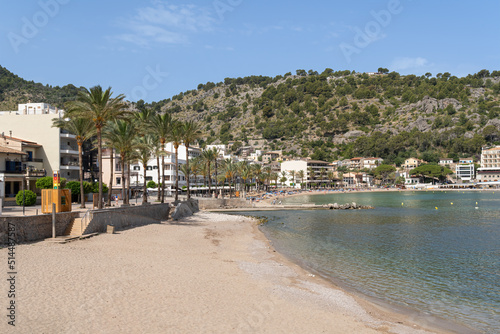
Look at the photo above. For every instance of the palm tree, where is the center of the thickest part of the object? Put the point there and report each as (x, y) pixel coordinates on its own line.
(310, 176)
(216, 154)
(177, 135)
(186, 171)
(331, 176)
(322, 174)
(97, 105)
(162, 127)
(245, 172)
(121, 134)
(267, 176)
(274, 177)
(283, 176)
(208, 156)
(145, 149)
(190, 133)
(230, 171)
(301, 175)
(292, 174)
(257, 172)
(196, 165)
(83, 129)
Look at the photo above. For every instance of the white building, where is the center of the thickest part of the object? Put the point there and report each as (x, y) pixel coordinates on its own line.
(19, 163)
(297, 165)
(465, 172)
(490, 165)
(137, 177)
(33, 122)
(371, 163)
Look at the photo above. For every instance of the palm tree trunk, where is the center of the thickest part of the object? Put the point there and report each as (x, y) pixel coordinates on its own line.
(111, 162)
(216, 179)
(127, 190)
(163, 178)
(187, 168)
(177, 173)
(80, 164)
(122, 157)
(144, 188)
(159, 176)
(99, 159)
(209, 178)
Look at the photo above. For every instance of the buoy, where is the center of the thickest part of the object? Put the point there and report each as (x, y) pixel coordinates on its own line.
(402, 203)
(451, 203)
(476, 203)
(436, 207)
(476, 208)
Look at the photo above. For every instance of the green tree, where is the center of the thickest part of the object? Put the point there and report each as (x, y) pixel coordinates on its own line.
(99, 106)
(190, 133)
(162, 127)
(145, 147)
(383, 171)
(83, 129)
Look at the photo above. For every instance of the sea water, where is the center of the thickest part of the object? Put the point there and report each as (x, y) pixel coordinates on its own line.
(434, 252)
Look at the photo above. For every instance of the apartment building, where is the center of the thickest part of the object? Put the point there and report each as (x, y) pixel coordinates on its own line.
(490, 165)
(19, 162)
(33, 122)
(318, 175)
(137, 177)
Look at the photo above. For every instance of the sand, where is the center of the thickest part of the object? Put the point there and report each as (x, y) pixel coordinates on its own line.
(209, 273)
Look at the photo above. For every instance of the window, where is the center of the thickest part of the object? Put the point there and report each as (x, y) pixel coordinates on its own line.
(149, 178)
(137, 168)
(149, 168)
(118, 181)
(155, 167)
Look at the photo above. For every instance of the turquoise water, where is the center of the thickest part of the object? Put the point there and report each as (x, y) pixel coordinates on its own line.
(444, 261)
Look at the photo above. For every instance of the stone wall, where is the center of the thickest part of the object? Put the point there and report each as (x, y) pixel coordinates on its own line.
(223, 203)
(126, 217)
(33, 228)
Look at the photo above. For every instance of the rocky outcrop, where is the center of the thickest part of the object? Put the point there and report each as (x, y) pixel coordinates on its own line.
(347, 206)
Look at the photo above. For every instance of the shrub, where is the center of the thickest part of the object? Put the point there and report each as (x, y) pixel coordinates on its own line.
(29, 198)
(95, 188)
(151, 184)
(47, 183)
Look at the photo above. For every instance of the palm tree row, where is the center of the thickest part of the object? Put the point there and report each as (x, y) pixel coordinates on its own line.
(136, 136)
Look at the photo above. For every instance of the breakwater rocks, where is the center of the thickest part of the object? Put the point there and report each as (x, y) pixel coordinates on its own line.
(347, 206)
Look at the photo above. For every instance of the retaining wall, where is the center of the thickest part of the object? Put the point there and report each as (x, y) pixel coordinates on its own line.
(223, 203)
(32, 228)
(126, 217)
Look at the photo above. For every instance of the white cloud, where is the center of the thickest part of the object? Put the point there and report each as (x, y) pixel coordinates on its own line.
(165, 24)
(407, 63)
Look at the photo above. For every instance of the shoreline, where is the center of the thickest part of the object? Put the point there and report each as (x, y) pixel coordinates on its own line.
(379, 308)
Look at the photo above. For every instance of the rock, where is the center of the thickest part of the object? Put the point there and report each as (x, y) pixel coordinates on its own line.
(335, 206)
(181, 210)
(354, 205)
(354, 134)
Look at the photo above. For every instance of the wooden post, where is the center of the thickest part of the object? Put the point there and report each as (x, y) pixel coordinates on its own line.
(53, 220)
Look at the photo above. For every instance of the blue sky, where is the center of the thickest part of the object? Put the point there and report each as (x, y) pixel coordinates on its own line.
(156, 49)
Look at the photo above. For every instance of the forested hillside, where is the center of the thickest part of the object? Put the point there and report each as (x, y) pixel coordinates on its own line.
(14, 90)
(327, 115)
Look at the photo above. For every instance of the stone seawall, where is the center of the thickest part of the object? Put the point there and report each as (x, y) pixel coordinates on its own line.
(33, 228)
(223, 203)
(126, 217)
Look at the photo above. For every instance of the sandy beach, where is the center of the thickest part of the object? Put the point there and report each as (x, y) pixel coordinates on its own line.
(209, 273)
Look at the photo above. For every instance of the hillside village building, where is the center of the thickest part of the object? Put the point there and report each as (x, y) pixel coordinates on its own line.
(490, 165)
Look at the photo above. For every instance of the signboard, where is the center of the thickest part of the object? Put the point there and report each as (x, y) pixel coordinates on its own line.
(57, 180)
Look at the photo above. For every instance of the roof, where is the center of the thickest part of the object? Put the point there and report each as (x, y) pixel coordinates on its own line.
(318, 162)
(496, 148)
(28, 142)
(9, 150)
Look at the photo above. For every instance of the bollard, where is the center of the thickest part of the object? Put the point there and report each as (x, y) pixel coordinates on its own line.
(53, 220)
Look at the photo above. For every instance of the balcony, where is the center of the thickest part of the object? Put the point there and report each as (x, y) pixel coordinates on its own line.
(67, 135)
(65, 149)
(69, 165)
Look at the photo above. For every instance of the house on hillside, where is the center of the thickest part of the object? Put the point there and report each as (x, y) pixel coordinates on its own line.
(411, 163)
(490, 165)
